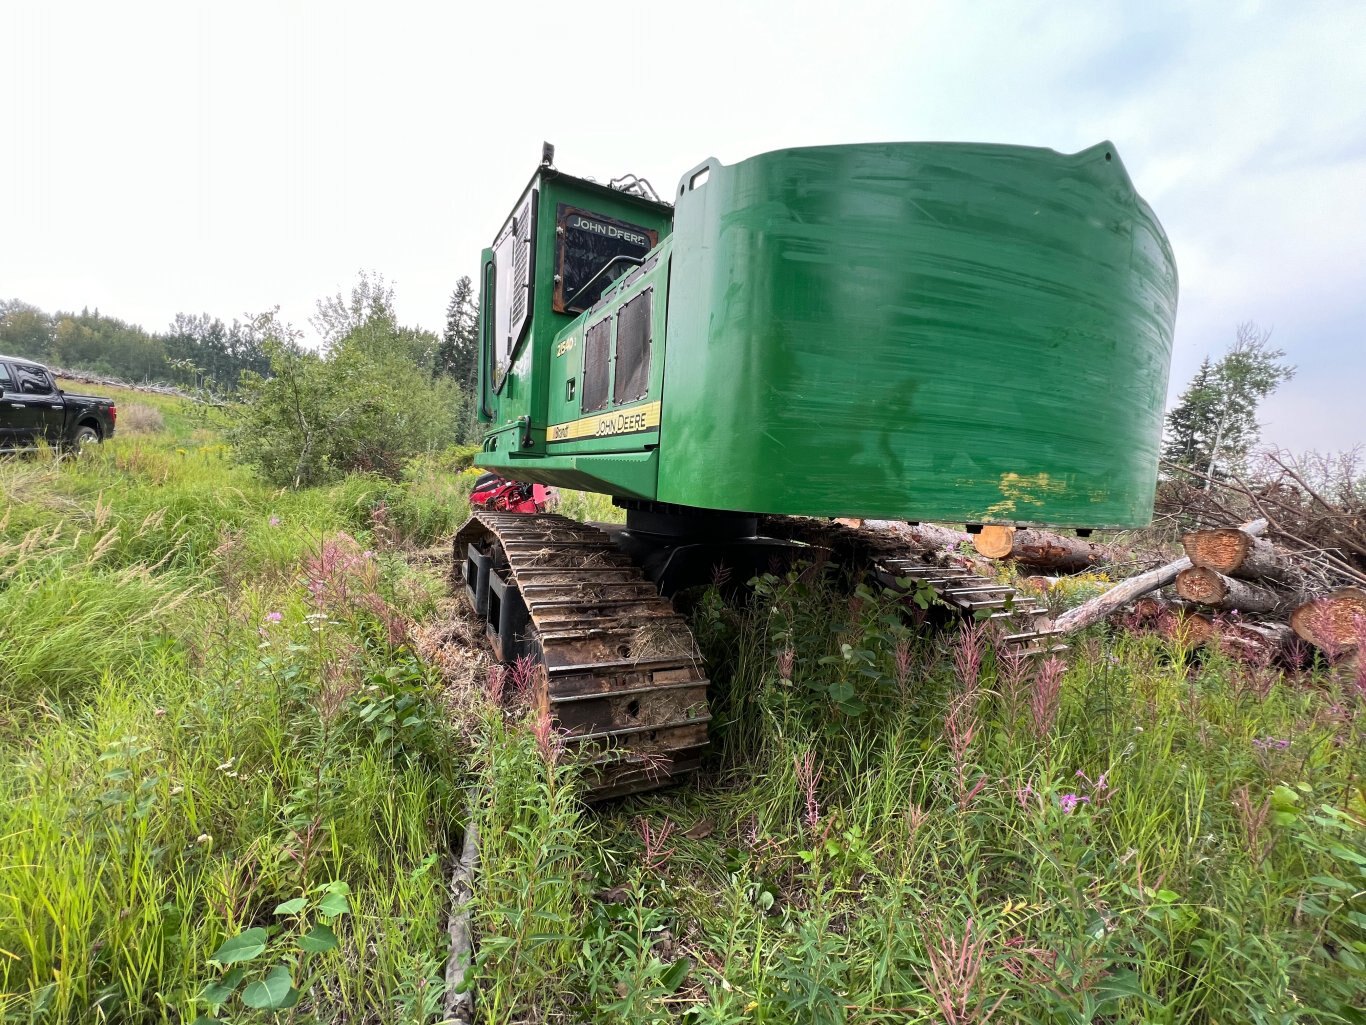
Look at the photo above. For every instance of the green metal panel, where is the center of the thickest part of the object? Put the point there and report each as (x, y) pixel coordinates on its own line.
(951, 332)
(919, 331)
(530, 398)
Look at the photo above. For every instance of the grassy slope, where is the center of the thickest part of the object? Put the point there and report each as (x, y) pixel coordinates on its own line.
(199, 720)
(883, 837)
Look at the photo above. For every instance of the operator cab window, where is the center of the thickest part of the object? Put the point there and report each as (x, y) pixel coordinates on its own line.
(6, 382)
(514, 259)
(33, 381)
(592, 251)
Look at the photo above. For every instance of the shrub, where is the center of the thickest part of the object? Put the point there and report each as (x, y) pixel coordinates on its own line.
(140, 419)
(364, 405)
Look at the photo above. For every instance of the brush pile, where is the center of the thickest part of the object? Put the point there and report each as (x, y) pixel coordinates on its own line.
(1303, 582)
(1292, 577)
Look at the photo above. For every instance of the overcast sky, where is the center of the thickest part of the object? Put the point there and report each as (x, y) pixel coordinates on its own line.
(225, 158)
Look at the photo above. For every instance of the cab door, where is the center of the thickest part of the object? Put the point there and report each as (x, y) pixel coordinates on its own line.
(13, 410)
(35, 407)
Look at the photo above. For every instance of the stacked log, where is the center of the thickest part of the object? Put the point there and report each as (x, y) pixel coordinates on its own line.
(1192, 629)
(1254, 642)
(1210, 588)
(1040, 549)
(1248, 588)
(1235, 553)
(1335, 622)
(1180, 623)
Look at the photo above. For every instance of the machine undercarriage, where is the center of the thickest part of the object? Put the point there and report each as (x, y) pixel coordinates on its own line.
(616, 667)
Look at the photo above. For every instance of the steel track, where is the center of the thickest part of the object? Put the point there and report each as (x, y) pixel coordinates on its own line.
(623, 679)
(900, 566)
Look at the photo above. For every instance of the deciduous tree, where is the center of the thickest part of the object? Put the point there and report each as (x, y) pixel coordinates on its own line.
(1214, 425)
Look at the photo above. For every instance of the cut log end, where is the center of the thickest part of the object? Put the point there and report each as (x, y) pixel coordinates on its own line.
(1201, 585)
(1192, 629)
(994, 540)
(1336, 622)
(1222, 550)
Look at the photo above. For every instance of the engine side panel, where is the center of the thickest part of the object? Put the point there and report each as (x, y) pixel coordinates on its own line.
(921, 331)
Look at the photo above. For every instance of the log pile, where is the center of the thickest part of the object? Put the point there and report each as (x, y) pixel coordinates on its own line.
(1238, 589)
(89, 377)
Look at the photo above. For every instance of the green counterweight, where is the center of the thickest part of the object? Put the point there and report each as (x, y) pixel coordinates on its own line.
(951, 332)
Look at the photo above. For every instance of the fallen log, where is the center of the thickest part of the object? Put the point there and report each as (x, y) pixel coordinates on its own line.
(1335, 622)
(1256, 642)
(926, 535)
(1041, 549)
(1269, 639)
(1235, 553)
(1121, 594)
(459, 999)
(1204, 586)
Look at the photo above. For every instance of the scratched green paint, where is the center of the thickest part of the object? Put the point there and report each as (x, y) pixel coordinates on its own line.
(917, 331)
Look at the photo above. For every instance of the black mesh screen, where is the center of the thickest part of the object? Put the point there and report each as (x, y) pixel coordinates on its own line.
(595, 352)
(633, 349)
(521, 267)
(584, 243)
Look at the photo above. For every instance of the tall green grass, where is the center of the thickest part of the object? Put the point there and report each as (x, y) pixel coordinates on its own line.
(213, 730)
(208, 707)
(892, 831)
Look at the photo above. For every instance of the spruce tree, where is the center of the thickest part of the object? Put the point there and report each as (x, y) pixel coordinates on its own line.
(1214, 423)
(457, 356)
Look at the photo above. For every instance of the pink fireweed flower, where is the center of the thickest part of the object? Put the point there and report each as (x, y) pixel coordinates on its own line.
(1043, 701)
(1100, 786)
(967, 656)
(905, 662)
(494, 682)
(548, 739)
(1068, 802)
(274, 617)
(785, 662)
(808, 779)
(275, 521)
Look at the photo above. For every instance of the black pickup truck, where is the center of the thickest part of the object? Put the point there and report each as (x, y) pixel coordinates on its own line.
(33, 409)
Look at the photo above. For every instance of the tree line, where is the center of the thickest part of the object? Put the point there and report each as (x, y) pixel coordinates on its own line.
(197, 352)
(203, 352)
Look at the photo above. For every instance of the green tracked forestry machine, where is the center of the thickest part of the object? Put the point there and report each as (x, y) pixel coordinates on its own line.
(907, 331)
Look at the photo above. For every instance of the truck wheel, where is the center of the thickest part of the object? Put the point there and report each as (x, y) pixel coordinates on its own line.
(85, 436)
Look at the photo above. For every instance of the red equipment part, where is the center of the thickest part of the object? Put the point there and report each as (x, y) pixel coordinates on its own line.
(501, 495)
